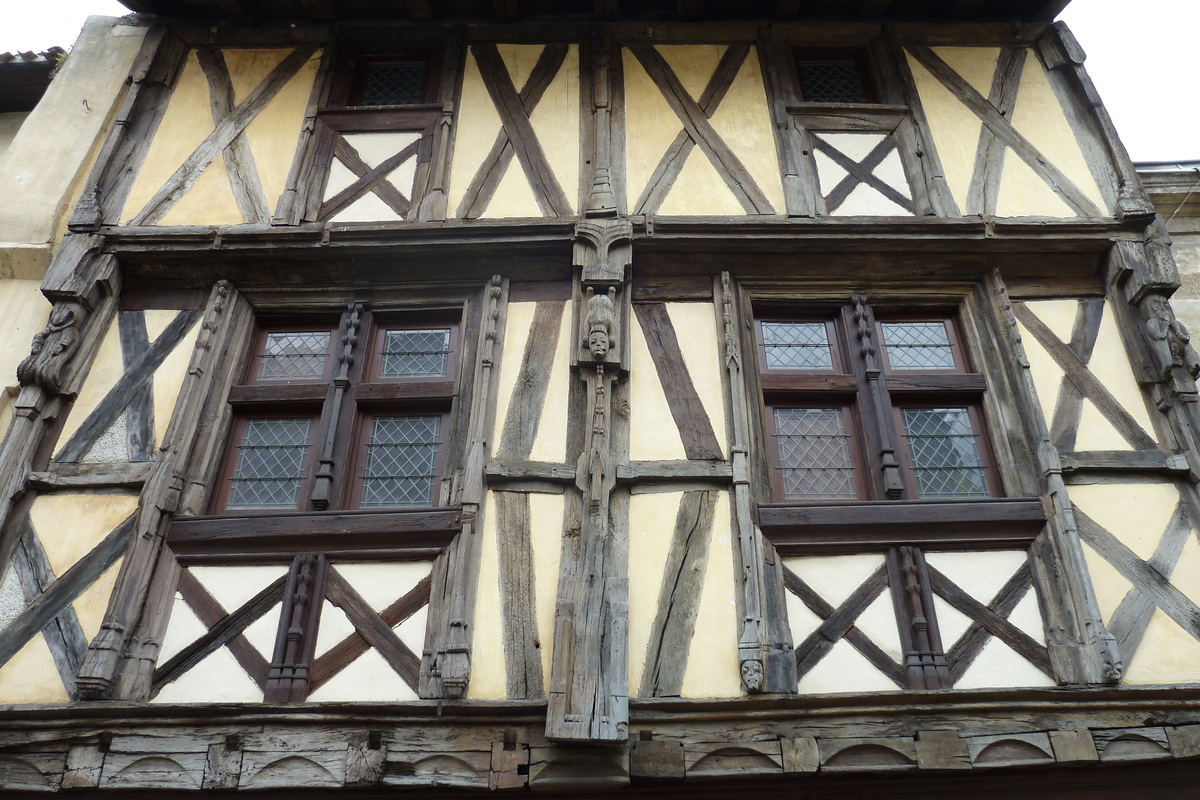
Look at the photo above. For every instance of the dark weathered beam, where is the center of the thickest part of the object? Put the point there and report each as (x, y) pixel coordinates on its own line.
(1006, 523)
(506, 9)
(419, 9)
(689, 9)
(236, 9)
(873, 8)
(321, 9)
(1124, 461)
(608, 9)
(787, 8)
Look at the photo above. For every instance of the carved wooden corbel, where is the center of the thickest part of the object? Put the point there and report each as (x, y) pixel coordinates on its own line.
(53, 347)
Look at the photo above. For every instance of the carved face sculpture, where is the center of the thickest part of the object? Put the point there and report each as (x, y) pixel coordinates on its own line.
(598, 344)
(752, 675)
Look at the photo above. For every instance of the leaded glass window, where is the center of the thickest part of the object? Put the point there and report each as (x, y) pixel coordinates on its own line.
(796, 345)
(832, 81)
(294, 356)
(270, 464)
(401, 461)
(814, 454)
(944, 452)
(415, 353)
(918, 346)
(394, 83)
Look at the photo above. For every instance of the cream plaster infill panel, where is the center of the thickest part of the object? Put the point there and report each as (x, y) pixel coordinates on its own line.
(999, 666)
(952, 623)
(107, 368)
(878, 622)
(1023, 193)
(209, 201)
(476, 129)
(979, 574)
(185, 124)
(1167, 654)
(412, 630)
(183, 628)
(712, 666)
(31, 677)
(545, 534)
(700, 343)
(219, 678)
(93, 602)
(1027, 616)
(70, 525)
(263, 632)
(334, 627)
(516, 334)
(1039, 117)
(693, 64)
(369, 678)
(1110, 585)
(24, 310)
(556, 123)
(233, 587)
(1186, 575)
(550, 442)
(976, 65)
(514, 197)
(955, 130)
(651, 526)
(835, 578)
(1095, 432)
(1135, 513)
(488, 674)
(168, 382)
(274, 133)
(1057, 315)
(1047, 375)
(650, 127)
(1110, 364)
(844, 669)
(743, 121)
(382, 584)
(864, 201)
(699, 190)
(653, 435)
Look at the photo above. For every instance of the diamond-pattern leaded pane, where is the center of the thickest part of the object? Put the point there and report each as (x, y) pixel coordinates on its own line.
(270, 463)
(814, 454)
(918, 345)
(294, 356)
(797, 345)
(832, 82)
(414, 354)
(401, 458)
(945, 455)
(393, 83)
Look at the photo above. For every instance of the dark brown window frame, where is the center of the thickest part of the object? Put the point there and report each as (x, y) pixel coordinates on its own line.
(902, 529)
(858, 55)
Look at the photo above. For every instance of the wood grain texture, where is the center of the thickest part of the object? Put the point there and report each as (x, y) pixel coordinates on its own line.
(139, 414)
(983, 192)
(546, 189)
(839, 623)
(671, 164)
(1003, 130)
(1068, 408)
(1087, 383)
(695, 428)
(518, 612)
(668, 648)
(221, 137)
(244, 181)
(701, 131)
(533, 381)
(491, 170)
(209, 611)
(62, 592)
(370, 179)
(962, 654)
(373, 629)
(861, 173)
(136, 376)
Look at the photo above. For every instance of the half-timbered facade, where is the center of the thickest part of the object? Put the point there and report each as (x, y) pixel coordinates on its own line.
(592, 396)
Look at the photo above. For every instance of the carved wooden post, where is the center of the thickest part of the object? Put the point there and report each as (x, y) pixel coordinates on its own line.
(754, 650)
(446, 666)
(117, 647)
(287, 679)
(876, 400)
(433, 204)
(1081, 648)
(925, 665)
(347, 342)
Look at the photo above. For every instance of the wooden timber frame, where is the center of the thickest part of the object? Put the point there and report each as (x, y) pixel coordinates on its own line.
(636, 261)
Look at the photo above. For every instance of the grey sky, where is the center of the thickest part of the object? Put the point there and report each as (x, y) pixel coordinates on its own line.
(1138, 56)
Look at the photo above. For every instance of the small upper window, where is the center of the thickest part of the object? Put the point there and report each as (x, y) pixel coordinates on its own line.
(388, 81)
(834, 78)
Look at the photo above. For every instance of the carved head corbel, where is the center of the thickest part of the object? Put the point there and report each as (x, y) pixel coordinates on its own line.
(600, 322)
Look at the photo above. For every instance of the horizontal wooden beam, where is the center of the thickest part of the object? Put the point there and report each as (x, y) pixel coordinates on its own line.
(674, 471)
(1124, 461)
(91, 476)
(391, 535)
(511, 469)
(847, 527)
(843, 117)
